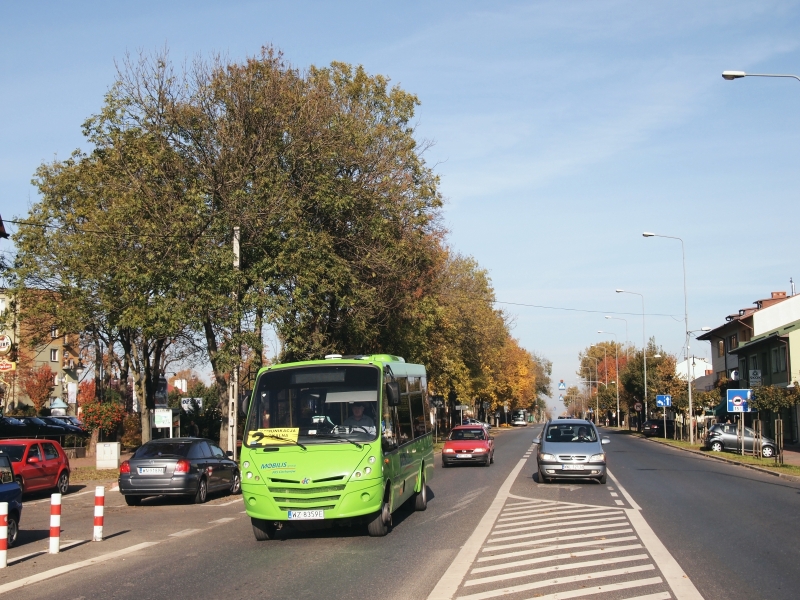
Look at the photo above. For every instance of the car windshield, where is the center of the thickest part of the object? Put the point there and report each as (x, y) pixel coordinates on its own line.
(468, 434)
(13, 451)
(13, 421)
(35, 420)
(163, 450)
(570, 432)
(314, 405)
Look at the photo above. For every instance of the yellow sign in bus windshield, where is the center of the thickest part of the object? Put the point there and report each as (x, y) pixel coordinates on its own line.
(275, 435)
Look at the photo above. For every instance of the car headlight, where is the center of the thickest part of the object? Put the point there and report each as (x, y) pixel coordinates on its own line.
(448, 450)
(479, 450)
(546, 456)
(595, 458)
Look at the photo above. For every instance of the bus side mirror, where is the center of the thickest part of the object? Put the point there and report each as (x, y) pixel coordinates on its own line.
(245, 406)
(393, 393)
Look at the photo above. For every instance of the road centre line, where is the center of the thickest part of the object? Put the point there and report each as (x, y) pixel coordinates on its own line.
(552, 557)
(224, 520)
(447, 585)
(549, 532)
(557, 568)
(613, 587)
(582, 544)
(13, 585)
(681, 585)
(545, 526)
(184, 532)
(558, 581)
(556, 539)
(623, 491)
(228, 503)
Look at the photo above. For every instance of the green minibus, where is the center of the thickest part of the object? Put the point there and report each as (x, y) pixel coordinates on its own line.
(340, 441)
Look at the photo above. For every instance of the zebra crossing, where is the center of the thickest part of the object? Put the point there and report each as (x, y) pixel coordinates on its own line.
(553, 550)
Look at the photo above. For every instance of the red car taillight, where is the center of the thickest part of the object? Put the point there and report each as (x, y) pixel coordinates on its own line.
(125, 467)
(182, 466)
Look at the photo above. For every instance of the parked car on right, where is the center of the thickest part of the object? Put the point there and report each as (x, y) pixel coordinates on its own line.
(723, 436)
(655, 427)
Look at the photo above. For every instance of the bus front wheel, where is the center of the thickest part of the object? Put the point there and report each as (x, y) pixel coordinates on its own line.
(263, 530)
(381, 523)
(421, 497)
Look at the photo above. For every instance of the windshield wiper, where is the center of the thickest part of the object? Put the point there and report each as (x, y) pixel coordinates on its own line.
(327, 436)
(277, 437)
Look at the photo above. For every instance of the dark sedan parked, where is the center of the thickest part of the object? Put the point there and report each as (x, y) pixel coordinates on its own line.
(655, 427)
(723, 436)
(40, 429)
(71, 429)
(191, 467)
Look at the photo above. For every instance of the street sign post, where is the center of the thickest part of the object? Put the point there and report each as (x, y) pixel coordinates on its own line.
(739, 401)
(664, 400)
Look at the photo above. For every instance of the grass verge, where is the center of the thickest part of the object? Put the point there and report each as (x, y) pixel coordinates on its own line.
(79, 474)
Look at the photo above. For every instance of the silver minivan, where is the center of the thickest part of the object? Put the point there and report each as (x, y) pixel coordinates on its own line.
(571, 449)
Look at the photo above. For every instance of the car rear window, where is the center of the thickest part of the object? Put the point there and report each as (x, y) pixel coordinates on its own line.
(165, 450)
(13, 451)
(467, 434)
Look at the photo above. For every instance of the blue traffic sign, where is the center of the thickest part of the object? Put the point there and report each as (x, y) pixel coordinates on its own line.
(663, 400)
(739, 400)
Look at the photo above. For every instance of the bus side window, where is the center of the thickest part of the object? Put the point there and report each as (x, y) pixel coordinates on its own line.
(388, 428)
(404, 417)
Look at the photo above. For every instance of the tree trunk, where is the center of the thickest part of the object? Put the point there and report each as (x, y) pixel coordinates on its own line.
(219, 379)
(92, 449)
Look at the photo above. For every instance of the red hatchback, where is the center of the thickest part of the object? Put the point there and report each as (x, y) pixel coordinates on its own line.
(468, 444)
(38, 464)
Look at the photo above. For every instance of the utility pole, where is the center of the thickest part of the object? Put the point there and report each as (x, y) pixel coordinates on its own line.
(234, 385)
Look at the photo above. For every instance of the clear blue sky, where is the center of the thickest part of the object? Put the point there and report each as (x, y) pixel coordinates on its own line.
(562, 131)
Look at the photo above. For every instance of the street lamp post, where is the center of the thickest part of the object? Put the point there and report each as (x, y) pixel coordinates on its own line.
(731, 75)
(685, 322)
(595, 369)
(616, 358)
(644, 346)
(626, 331)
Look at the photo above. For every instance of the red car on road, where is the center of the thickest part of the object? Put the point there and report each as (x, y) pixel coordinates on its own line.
(37, 464)
(468, 444)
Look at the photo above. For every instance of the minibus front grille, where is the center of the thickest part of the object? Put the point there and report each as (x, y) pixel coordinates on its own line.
(305, 501)
(306, 491)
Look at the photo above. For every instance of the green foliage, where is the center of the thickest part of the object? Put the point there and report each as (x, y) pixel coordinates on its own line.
(103, 416)
(131, 431)
(770, 397)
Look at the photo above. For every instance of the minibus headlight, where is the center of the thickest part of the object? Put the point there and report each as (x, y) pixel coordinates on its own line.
(371, 459)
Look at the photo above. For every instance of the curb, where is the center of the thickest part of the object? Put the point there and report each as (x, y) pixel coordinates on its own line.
(727, 460)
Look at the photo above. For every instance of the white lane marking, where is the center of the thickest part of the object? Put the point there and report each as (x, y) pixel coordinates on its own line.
(115, 488)
(566, 512)
(67, 497)
(581, 544)
(228, 503)
(605, 512)
(624, 492)
(548, 527)
(559, 581)
(455, 573)
(610, 487)
(224, 520)
(585, 531)
(614, 587)
(614, 494)
(557, 568)
(69, 543)
(184, 532)
(11, 561)
(552, 557)
(13, 585)
(620, 502)
(681, 585)
(542, 507)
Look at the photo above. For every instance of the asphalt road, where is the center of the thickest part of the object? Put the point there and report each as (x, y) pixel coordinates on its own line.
(728, 528)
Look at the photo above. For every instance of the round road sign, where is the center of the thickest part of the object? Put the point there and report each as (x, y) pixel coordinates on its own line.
(638, 406)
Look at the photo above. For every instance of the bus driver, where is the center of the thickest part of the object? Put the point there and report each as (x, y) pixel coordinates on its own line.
(359, 419)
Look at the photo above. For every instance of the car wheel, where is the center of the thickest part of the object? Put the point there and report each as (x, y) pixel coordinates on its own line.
(445, 465)
(381, 523)
(19, 483)
(236, 483)
(603, 478)
(421, 497)
(202, 491)
(767, 451)
(133, 500)
(716, 446)
(63, 483)
(542, 478)
(263, 530)
(491, 458)
(13, 530)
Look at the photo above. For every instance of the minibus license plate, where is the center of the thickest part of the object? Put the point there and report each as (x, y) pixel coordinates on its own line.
(305, 515)
(572, 467)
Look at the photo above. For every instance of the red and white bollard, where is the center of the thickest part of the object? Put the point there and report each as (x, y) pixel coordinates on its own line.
(99, 506)
(55, 523)
(3, 535)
